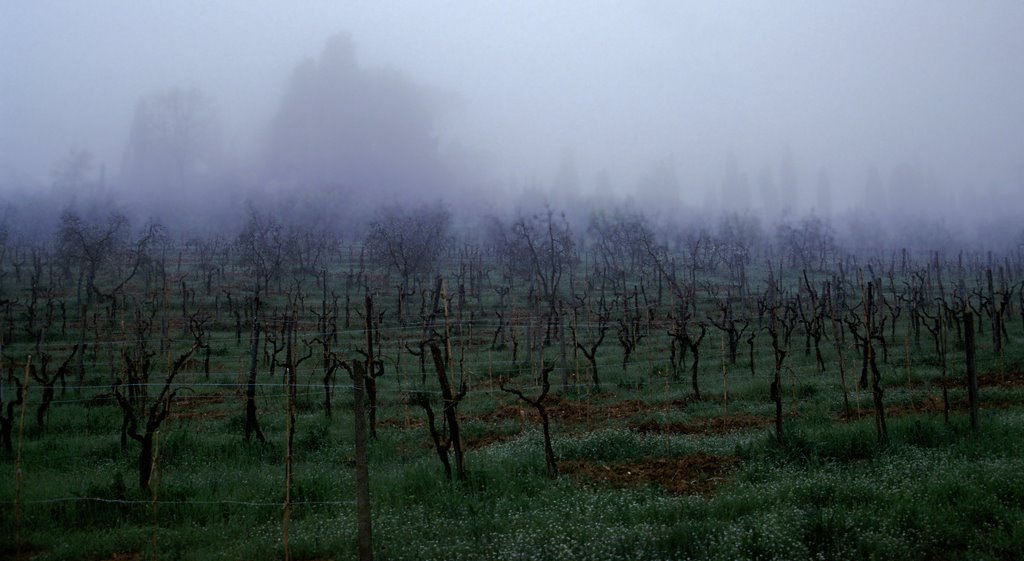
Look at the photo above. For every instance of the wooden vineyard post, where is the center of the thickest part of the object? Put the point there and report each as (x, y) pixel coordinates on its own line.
(289, 407)
(906, 353)
(942, 346)
(972, 374)
(17, 461)
(363, 521)
(780, 352)
(446, 378)
(725, 379)
(153, 497)
(252, 424)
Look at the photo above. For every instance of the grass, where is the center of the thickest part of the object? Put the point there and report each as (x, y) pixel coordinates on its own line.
(827, 490)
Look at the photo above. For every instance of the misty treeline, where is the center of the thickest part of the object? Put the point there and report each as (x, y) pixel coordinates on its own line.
(119, 312)
(342, 139)
(345, 138)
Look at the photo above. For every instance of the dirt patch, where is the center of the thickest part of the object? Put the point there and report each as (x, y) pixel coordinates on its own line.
(487, 440)
(714, 425)
(687, 475)
(124, 557)
(26, 553)
(572, 411)
(190, 407)
(191, 415)
(905, 384)
(1010, 378)
(409, 422)
(474, 443)
(101, 400)
(930, 405)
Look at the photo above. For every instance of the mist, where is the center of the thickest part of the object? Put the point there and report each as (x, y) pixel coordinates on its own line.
(875, 115)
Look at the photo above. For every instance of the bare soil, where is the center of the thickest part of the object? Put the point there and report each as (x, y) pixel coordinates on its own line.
(1012, 376)
(412, 421)
(26, 553)
(714, 425)
(124, 557)
(930, 405)
(578, 412)
(191, 406)
(687, 475)
(487, 440)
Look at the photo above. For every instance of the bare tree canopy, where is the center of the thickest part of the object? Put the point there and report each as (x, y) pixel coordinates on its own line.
(370, 130)
(174, 139)
(409, 240)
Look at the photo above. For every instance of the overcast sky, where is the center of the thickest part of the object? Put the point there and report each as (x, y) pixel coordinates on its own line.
(619, 85)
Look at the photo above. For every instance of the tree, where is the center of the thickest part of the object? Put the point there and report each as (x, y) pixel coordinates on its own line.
(809, 243)
(545, 420)
(174, 140)
(101, 247)
(91, 245)
(252, 424)
(370, 130)
(687, 343)
(74, 170)
(409, 240)
(546, 243)
(872, 331)
(153, 412)
(7, 411)
(598, 324)
(39, 318)
(737, 238)
(780, 327)
(620, 238)
(731, 325)
(501, 242)
(261, 248)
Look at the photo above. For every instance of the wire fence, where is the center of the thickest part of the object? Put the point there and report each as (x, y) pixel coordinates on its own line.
(485, 363)
(278, 504)
(661, 382)
(650, 377)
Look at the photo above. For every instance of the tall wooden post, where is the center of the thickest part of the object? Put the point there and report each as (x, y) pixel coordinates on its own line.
(972, 373)
(363, 521)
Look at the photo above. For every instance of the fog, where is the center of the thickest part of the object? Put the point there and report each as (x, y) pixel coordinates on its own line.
(874, 109)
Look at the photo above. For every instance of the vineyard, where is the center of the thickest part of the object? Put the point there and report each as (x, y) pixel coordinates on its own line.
(528, 390)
